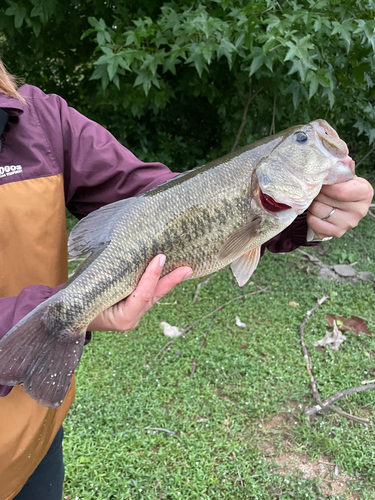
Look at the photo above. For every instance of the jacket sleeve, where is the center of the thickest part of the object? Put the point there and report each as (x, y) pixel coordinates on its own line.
(291, 238)
(97, 169)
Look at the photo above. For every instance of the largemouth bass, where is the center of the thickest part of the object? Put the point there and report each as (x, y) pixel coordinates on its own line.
(207, 218)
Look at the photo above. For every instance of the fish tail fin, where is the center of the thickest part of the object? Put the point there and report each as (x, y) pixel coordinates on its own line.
(41, 353)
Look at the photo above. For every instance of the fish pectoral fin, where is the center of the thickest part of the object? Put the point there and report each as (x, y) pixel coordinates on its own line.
(39, 353)
(244, 266)
(238, 242)
(95, 230)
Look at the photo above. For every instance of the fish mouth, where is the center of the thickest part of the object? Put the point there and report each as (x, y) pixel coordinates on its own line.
(331, 145)
(270, 204)
(349, 162)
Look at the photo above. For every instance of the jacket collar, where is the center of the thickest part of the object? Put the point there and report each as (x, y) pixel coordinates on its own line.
(11, 105)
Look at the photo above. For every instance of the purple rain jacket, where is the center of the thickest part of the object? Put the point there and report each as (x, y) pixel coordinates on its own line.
(47, 137)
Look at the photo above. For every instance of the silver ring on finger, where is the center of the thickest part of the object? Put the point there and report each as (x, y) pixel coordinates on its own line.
(330, 214)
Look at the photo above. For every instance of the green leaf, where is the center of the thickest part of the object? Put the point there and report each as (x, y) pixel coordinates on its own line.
(87, 33)
(99, 72)
(107, 49)
(226, 49)
(152, 61)
(170, 65)
(297, 67)
(330, 95)
(207, 53)
(18, 12)
(37, 11)
(324, 78)
(256, 63)
(345, 30)
(269, 43)
(146, 79)
(36, 26)
(122, 62)
(314, 84)
(198, 61)
(99, 25)
(359, 71)
(100, 38)
(116, 80)
(292, 52)
(112, 67)
(295, 89)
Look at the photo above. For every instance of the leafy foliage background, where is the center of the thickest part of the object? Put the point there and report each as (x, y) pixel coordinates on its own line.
(184, 82)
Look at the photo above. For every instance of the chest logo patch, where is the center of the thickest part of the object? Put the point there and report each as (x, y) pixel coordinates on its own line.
(10, 170)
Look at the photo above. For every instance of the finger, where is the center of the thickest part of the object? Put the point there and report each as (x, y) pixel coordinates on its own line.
(135, 303)
(151, 275)
(332, 202)
(323, 228)
(150, 288)
(357, 189)
(333, 215)
(357, 209)
(322, 210)
(126, 314)
(166, 283)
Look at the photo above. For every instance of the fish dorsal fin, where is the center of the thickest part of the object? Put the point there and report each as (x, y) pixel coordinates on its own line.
(244, 266)
(95, 230)
(238, 242)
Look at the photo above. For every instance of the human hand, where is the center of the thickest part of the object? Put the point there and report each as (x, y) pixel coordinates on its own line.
(351, 201)
(126, 314)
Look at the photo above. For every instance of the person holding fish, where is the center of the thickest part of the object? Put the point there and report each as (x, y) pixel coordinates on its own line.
(277, 194)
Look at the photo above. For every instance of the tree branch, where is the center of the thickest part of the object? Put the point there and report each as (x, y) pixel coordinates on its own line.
(159, 429)
(185, 330)
(366, 155)
(244, 115)
(337, 396)
(327, 404)
(273, 126)
(306, 354)
(167, 346)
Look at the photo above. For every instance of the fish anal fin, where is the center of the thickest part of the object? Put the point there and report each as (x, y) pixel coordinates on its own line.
(40, 358)
(239, 241)
(244, 266)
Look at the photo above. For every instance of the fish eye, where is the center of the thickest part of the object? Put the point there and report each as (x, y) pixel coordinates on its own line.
(301, 137)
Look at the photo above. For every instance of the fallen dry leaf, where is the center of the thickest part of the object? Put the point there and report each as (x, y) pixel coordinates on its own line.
(239, 322)
(293, 304)
(353, 324)
(169, 330)
(334, 338)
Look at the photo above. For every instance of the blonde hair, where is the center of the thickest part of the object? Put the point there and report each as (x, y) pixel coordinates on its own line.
(8, 84)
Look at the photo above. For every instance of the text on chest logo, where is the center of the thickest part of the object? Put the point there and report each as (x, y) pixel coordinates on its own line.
(10, 170)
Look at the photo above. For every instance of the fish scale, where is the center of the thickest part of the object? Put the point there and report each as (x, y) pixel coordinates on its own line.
(213, 216)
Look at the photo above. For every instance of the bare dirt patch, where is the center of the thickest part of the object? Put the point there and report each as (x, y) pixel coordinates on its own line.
(333, 481)
(287, 461)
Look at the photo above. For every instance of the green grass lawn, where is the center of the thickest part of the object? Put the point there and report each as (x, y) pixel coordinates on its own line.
(238, 424)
